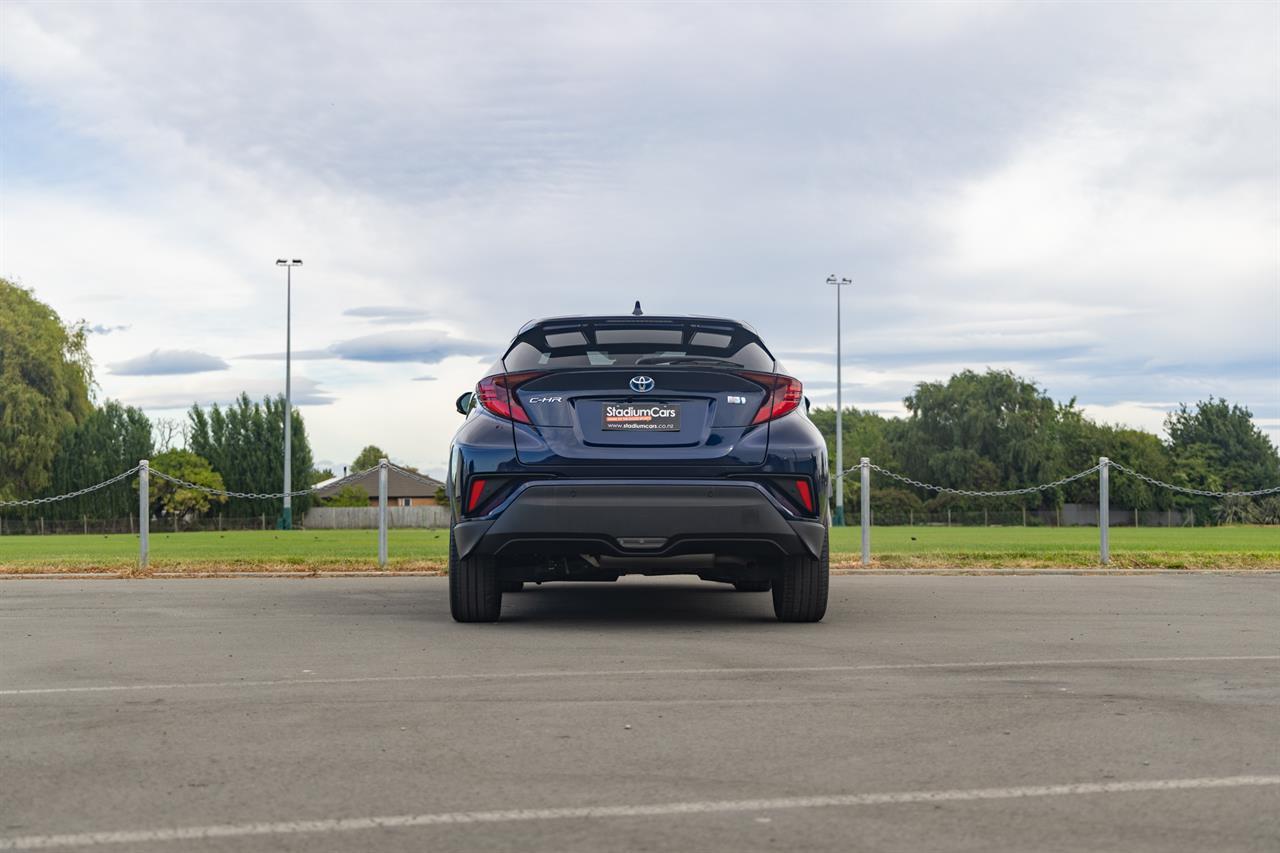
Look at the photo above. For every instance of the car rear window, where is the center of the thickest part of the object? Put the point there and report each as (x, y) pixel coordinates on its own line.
(613, 344)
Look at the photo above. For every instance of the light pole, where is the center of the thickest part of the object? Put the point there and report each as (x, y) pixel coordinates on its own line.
(838, 521)
(287, 518)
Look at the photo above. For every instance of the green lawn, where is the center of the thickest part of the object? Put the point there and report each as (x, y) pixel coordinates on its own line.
(923, 547)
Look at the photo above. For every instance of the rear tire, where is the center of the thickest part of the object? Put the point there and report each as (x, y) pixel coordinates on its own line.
(752, 586)
(800, 592)
(475, 594)
(512, 586)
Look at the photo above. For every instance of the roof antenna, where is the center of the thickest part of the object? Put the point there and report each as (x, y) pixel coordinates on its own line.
(636, 312)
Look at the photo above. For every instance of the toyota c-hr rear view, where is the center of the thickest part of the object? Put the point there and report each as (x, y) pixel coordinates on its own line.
(602, 446)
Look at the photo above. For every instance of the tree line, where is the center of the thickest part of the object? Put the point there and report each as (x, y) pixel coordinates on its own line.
(994, 431)
(55, 438)
(984, 431)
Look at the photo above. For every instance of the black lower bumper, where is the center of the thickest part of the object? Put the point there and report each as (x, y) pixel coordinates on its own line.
(640, 518)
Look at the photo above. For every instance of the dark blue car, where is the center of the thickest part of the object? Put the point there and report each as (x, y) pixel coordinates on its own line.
(603, 446)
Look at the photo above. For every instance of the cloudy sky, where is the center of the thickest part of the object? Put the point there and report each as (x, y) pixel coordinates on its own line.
(1087, 194)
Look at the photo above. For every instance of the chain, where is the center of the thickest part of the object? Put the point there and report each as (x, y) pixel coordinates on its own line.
(1202, 492)
(36, 501)
(257, 495)
(971, 493)
(426, 481)
(342, 480)
(186, 484)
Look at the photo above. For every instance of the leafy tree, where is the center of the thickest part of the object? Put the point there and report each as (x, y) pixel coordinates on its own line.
(888, 504)
(992, 430)
(368, 458)
(348, 496)
(1226, 437)
(110, 440)
(865, 434)
(172, 499)
(1217, 447)
(45, 380)
(319, 475)
(245, 443)
(1079, 443)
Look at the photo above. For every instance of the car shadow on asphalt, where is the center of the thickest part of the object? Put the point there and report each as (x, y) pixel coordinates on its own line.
(636, 604)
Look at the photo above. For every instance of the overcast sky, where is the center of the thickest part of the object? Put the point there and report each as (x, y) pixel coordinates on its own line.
(1086, 194)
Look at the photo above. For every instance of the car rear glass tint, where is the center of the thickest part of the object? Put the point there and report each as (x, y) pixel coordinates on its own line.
(623, 345)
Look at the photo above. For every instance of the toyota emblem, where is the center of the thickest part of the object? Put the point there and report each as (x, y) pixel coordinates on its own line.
(642, 384)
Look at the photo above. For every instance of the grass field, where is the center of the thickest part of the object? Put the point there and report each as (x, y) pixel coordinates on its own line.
(892, 547)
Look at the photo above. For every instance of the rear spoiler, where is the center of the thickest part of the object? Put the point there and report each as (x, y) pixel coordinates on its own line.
(536, 333)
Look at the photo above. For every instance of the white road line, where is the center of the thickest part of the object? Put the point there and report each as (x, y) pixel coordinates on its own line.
(623, 673)
(351, 824)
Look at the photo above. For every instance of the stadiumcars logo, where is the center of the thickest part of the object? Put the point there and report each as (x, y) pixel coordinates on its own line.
(661, 417)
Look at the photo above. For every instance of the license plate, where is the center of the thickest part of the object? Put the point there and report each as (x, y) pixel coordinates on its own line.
(654, 417)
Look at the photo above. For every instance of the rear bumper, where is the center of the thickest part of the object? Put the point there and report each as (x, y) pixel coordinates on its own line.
(639, 518)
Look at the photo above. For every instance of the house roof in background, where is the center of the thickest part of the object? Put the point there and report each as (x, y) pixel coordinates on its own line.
(398, 485)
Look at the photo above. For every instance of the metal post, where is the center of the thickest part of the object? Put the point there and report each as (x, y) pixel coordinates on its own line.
(1104, 509)
(144, 510)
(286, 521)
(382, 513)
(866, 511)
(288, 398)
(838, 520)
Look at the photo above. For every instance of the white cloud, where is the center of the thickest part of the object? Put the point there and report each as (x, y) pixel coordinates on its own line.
(179, 397)
(1009, 186)
(167, 363)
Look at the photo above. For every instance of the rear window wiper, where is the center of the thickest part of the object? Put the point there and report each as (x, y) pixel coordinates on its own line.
(687, 359)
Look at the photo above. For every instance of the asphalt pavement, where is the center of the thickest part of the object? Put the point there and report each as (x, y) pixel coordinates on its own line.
(925, 713)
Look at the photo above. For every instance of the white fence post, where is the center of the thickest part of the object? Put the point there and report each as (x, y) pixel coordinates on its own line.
(1104, 509)
(382, 513)
(144, 510)
(866, 511)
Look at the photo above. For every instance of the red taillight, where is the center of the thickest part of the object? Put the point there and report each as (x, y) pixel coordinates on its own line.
(473, 495)
(806, 494)
(783, 397)
(497, 394)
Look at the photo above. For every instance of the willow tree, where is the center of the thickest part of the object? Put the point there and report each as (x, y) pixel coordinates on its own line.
(45, 377)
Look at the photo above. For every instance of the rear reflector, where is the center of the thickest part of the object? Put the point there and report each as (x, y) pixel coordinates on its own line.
(497, 393)
(806, 494)
(783, 397)
(473, 495)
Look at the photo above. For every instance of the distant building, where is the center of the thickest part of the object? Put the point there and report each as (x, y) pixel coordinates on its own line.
(401, 490)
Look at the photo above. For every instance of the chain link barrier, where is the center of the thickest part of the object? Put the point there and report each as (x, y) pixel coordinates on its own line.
(427, 481)
(1273, 490)
(186, 484)
(1004, 493)
(69, 495)
(973, 493)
